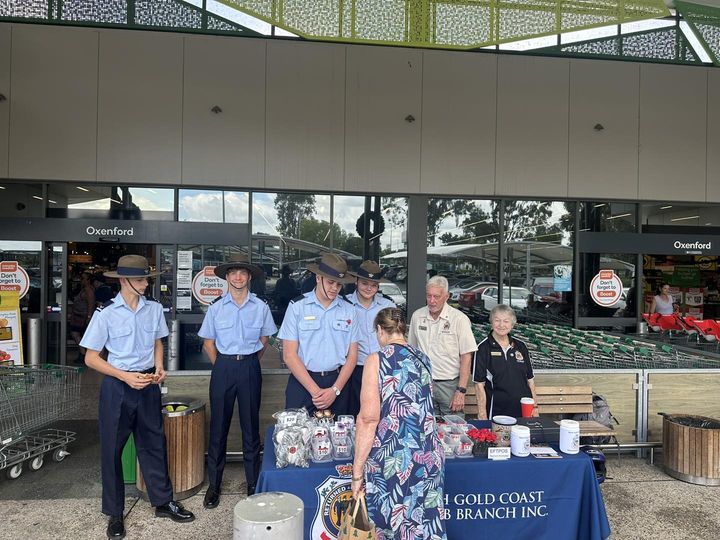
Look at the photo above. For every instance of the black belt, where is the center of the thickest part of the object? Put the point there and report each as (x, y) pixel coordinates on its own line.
(323, 373)
(145, 371)
(444, 380)
(236, 356)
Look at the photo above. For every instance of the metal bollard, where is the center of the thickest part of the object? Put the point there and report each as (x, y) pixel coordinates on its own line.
(34, 340)
(174, 346)
(271, 515)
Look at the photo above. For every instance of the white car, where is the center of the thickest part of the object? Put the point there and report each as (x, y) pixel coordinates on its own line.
(394, 292)
(519, 300)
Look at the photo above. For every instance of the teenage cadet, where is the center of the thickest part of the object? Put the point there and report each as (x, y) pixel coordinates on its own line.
(235, 329)
(445, 335)
(319, 336)
(368, 302)
(130, 327)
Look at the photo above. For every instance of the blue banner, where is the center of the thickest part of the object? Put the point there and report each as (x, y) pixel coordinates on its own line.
(519, 498)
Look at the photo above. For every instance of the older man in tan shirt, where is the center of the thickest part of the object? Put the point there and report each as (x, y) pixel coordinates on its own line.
(445, 335)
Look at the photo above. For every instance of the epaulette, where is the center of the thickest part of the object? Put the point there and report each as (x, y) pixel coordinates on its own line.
(216, 300)
(298, 298)
(151, 299)
(386, 297)
(106, 304)
(346, 299)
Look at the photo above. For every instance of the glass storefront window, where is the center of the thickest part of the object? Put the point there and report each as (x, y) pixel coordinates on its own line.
(213, 206)
(602, 216)
(623, 266)
(110, 202)
(21, 200)
(462, 238)
(538, 242)
(656, 217)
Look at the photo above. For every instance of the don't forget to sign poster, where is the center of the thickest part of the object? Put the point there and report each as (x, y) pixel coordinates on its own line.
(10, 336)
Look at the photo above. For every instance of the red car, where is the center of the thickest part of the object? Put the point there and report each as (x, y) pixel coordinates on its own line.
(471, 297)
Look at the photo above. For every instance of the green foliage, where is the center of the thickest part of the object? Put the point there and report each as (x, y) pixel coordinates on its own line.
(291, 209)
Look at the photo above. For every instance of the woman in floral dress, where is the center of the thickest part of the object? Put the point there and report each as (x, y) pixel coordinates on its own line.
(398, 457)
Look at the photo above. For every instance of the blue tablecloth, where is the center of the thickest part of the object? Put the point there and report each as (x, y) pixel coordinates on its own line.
(520, 498)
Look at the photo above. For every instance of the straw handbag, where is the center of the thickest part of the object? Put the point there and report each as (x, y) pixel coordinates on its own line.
(356, 524)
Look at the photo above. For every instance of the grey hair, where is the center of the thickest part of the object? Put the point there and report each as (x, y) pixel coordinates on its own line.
(502, 309)
(439, 282)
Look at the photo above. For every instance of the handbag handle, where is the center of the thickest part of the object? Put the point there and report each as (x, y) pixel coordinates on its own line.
(360, 501)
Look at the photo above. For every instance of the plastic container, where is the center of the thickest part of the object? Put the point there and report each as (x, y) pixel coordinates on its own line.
(454, 420)
(501, 426)
(464, 447)
(520, 441)
(320, 446)
(569, 436)
(454, 434)
(449, 449)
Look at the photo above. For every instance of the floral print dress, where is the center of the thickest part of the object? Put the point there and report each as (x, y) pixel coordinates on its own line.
(405, 469)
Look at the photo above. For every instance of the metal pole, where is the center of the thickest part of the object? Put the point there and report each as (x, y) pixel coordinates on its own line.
(34, 340)
(174, 346)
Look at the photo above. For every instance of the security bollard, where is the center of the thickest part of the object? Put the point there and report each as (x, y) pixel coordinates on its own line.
(266, 516)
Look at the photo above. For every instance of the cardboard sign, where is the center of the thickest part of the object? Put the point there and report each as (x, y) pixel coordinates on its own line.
(499, 452)
(10, 328)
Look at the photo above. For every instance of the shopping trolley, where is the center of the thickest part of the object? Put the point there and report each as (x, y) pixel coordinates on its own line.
(31, 398)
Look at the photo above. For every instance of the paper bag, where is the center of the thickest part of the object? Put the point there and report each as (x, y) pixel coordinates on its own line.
(356, 524)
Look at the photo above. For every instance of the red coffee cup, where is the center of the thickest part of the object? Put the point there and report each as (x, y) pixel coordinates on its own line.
(527, 405)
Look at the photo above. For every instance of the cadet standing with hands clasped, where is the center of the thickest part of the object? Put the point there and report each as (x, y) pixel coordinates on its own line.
(236, 330)
(131, 328)
(319, 336)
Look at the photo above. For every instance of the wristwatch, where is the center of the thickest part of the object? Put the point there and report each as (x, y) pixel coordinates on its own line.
(461, 389)
(337, 392)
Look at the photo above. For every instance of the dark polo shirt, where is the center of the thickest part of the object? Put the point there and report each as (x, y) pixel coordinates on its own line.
(505, 375)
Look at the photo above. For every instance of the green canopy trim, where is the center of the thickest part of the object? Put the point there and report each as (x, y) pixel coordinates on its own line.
(451, 24)
(170, 14)
(665, 45)
(704, 21)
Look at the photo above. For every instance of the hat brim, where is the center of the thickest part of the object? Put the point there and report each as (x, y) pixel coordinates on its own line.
(118, 276)
(378, 280)
(315, 269)
(222, 269)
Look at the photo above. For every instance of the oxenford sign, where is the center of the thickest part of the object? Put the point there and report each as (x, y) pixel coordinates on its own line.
(112, 231)
(649, 243)
(694, 246)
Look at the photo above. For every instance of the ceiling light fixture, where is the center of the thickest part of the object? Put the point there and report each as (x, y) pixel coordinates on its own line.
(666, 207)
(599, 205)
(2, 187)
(50, 200)
(684, 218)
(82, 188)
(618, 216)
(36, 197)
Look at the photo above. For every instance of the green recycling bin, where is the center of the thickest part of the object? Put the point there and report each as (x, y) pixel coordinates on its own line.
(129, 456)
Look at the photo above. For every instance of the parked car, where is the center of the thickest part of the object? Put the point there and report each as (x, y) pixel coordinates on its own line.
(395, 293)
(462, 286)
(516, 297)
(471, 297)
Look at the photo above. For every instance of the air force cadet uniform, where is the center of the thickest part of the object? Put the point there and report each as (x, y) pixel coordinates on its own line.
(367, 338)
(324, 336)
(237, 331)
(130, 337)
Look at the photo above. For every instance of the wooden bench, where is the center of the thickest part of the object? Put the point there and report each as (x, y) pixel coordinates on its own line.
(560, 401)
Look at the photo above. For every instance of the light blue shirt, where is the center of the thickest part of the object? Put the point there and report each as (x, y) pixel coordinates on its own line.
(367, 338)
(324, 335)
(129, 336)
(237, 329)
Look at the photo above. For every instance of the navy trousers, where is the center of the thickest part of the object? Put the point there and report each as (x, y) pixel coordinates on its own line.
(296, 396)
(355, 385)
(235, 380)
(124, 410)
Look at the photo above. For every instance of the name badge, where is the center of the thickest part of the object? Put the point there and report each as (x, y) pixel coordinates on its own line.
(495, 353)
(309, 317)
(519, 357)
(422, 327)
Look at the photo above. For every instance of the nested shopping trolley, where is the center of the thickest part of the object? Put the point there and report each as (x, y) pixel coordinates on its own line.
(32, 398)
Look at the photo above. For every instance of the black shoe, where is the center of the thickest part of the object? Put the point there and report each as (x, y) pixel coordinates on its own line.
(175, 511)
(116, 527)
(212, 497)
(251, 490)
